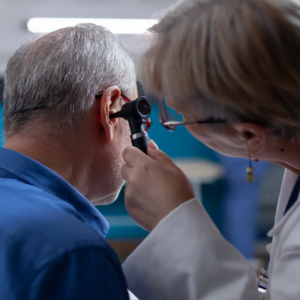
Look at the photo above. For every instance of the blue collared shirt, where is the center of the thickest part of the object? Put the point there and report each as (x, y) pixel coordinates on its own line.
(51, 238)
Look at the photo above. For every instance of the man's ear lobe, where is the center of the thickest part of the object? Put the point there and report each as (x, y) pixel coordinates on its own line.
(107, 107)
(254, 136)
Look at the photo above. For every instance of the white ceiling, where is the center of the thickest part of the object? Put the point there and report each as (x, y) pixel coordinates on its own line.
(15, 13)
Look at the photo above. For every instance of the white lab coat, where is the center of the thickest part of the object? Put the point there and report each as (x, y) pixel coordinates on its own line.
(186, 258)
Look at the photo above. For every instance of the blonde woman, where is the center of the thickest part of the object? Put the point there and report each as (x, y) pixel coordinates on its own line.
(232, 69)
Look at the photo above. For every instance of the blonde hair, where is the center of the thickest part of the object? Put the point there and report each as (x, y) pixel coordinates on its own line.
(239, 59)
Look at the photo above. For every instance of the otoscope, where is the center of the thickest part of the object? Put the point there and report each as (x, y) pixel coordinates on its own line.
(137, 113)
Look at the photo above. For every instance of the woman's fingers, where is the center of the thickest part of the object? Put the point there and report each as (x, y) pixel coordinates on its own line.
(125, 172)
(132, 155)
(159, 156)
(155, 186)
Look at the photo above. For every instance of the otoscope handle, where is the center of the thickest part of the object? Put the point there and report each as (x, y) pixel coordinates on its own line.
(140, 140)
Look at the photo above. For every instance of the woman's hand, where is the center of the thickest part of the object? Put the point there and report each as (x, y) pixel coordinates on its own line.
(155, 185)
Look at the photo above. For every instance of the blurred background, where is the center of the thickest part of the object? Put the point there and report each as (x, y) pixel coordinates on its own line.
(243, 212)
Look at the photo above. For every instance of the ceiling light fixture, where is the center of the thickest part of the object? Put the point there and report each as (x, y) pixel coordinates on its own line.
(117, 26)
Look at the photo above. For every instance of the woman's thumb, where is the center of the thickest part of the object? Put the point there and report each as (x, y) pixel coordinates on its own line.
(157, 154)
(152, 145)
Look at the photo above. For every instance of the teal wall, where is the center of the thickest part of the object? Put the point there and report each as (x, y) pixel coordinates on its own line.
(1, 125)
(178, 144)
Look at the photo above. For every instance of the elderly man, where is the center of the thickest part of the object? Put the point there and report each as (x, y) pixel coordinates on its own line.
(62, 155)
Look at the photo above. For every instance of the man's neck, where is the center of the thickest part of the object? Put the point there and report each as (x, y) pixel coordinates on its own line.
(60, 155)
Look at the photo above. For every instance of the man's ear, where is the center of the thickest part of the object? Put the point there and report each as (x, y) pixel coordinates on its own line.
(254, 136)
(108, 106)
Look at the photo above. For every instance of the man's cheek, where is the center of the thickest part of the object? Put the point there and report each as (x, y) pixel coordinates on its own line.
(129, 143)
(128, 135)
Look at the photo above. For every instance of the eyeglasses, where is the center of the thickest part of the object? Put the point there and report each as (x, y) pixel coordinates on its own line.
(168, 117)
(45, 107)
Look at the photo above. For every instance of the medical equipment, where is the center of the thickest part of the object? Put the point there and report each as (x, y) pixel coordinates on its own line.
(137, 113)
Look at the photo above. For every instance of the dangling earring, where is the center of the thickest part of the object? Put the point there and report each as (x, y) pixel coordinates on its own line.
(250, 176)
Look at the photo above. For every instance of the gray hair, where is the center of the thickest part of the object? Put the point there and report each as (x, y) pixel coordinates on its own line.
(61, 73)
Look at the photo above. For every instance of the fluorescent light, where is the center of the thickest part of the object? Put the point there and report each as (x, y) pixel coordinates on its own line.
(117, 26)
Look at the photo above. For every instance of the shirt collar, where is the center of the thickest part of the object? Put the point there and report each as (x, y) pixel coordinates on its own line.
(23, 168)
(288, 182)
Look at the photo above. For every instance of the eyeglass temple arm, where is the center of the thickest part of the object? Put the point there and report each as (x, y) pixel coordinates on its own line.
(193, 122)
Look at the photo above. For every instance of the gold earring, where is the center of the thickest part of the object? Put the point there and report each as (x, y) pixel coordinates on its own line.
(250, 177)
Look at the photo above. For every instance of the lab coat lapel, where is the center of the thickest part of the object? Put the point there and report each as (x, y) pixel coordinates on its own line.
(289, 180)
